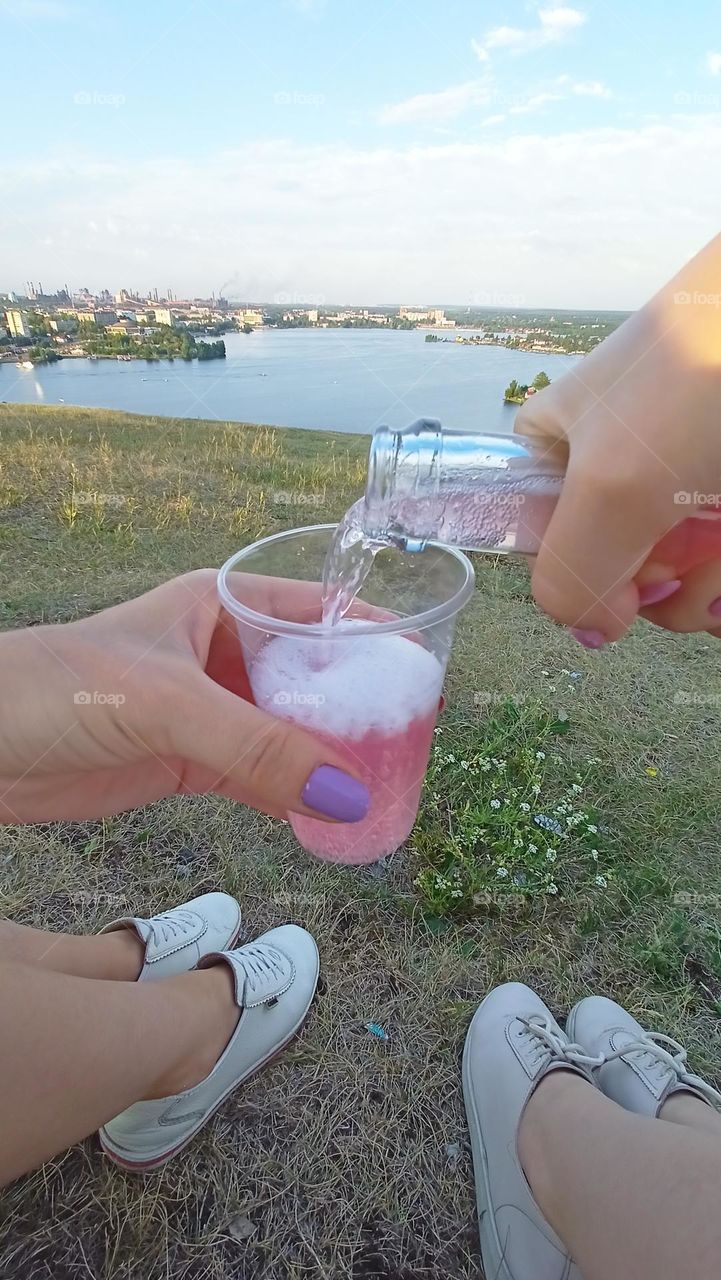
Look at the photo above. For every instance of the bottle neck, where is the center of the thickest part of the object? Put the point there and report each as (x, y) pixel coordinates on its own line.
(423, 480)
(404, 470)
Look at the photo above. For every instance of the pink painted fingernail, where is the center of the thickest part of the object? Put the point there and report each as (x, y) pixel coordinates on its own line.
(715, 607)
(589, 639)
(655, 592)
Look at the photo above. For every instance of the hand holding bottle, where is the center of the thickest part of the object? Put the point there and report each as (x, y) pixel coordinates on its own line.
(639, 421)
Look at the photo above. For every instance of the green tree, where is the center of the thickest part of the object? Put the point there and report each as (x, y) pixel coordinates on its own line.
(541, 380)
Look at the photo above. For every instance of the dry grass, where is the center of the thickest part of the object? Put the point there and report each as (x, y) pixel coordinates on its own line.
(349, 1156)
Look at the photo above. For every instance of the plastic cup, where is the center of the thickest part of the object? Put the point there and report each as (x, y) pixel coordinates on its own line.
(369, 687)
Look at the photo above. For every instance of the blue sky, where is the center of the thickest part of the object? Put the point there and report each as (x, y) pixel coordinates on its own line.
(391, 150)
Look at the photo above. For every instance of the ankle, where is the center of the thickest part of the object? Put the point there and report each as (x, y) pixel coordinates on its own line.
(550, 1110)
(689, 1110)
(122, 954)
(210, 993)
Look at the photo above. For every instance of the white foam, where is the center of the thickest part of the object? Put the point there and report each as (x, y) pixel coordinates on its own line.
(347, 686)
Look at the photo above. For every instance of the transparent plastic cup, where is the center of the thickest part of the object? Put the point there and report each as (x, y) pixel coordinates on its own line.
(370, 687)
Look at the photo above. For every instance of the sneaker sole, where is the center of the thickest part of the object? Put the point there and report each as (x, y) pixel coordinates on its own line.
(155, 1162)
(494, 1264)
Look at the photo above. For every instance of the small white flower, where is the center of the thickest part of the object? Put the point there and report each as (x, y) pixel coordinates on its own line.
(550, 855)
(594, 855)
(552, 888)
(536, 788)
(592, 831)
(502, 873)
(540, 755)
(602, 882)
(517, 844)
(576, 789)
(552, 689)
(464, 764)
(495, 804)
(526, 808)
(545, 673)
(533, 848)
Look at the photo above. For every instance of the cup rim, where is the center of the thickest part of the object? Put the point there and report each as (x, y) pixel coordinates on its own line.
(281, 626)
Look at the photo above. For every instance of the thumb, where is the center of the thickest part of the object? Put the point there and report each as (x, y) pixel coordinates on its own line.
(609, 516)
(263, 761)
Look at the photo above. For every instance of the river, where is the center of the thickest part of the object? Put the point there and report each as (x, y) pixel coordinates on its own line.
(331, 379)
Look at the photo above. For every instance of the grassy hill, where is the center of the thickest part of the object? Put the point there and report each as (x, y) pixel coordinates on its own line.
(349, 1156)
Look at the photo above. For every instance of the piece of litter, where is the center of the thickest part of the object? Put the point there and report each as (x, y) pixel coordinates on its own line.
(378, 869)
(241, 1228)
(453, 1152)
(548, 824)
(376, 1030)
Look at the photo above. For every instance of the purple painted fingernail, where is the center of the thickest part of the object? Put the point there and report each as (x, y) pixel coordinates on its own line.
(715, 607)
(655, 592)
(336, 794)
(589, 639)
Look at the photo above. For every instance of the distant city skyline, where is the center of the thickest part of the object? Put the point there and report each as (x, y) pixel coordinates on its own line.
(561, 155)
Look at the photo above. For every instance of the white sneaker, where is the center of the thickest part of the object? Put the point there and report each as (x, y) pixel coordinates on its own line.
(512, 1043)
(275, 981)
(176, 940)
(640, 1069)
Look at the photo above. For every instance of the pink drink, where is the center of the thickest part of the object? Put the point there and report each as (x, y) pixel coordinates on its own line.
(374, 699)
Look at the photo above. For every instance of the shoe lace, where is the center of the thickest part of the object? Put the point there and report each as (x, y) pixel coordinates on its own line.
(261, 963)
(170, 925)
(659, 1050)
(544, 1039)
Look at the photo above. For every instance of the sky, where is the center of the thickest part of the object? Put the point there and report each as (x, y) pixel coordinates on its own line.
(385, 151)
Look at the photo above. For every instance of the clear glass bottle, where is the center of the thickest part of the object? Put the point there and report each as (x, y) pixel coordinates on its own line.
(479, 492)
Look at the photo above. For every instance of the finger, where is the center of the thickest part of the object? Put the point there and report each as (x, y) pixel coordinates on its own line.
(263, 760)
(696, 606)
(607, 520)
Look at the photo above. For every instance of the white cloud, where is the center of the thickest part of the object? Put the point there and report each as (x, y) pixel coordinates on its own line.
(591, 89)
(534, 103)
(713, 62)
(564, 218)
(491, 120)
(554, 25)
(432, 107)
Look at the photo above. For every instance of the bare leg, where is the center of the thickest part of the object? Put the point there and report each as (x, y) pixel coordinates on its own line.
(629, 1196)
(684, 1108)
(116, 955)
(75, 1052)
